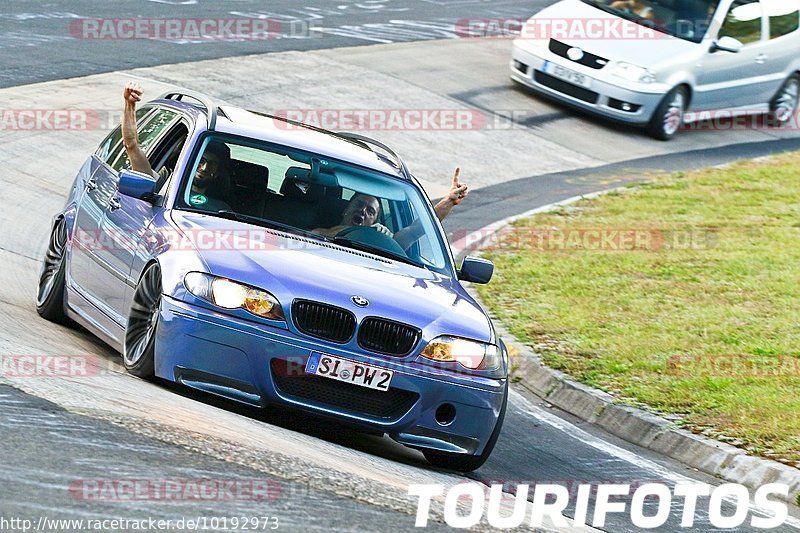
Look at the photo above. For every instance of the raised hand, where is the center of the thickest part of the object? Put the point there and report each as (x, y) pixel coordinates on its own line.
(458, 190)
(133, 93)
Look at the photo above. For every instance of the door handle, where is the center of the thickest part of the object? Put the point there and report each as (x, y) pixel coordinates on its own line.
(114, 204)
(761, 58)
(91, 185)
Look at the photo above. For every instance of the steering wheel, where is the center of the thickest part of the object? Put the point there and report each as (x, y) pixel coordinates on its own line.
(352, 229)
(371, 236)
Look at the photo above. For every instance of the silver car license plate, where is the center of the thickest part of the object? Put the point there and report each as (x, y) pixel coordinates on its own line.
(566, 74)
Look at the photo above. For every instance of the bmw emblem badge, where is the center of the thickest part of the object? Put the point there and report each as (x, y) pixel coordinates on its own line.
(360, 301)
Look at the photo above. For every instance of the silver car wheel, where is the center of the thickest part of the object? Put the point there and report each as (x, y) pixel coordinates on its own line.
(53, 262)
(673, 118)
(143, 320)
(786, 102)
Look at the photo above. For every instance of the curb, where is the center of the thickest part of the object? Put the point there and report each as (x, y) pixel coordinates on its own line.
(629, 423)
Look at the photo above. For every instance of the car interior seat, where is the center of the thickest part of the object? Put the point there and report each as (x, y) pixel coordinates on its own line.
(249, 183)
(331, 208)
(295, 204)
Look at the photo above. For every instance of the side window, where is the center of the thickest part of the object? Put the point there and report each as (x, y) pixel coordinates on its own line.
(166, 153)
(111, 146)
(784, 16)
(148, 133)
(743, 21)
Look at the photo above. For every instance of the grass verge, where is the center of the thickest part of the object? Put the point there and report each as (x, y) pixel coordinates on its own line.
(682, 295)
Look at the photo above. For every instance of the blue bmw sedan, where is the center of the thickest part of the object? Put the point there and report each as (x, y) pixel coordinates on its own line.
(261, 282)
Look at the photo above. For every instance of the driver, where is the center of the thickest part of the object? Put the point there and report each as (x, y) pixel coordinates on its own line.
(637, 7)
(364, 210)
(361, 210)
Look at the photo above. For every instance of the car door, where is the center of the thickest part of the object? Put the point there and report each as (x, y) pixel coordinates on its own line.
(727, 79)
(133, 217)
(783, 20)
(124, 222)
(87, 239)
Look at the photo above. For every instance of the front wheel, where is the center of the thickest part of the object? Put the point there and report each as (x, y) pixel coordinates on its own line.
(783, 107)
(668, 116)
(468, 463)
(50, 290)
(140, 334)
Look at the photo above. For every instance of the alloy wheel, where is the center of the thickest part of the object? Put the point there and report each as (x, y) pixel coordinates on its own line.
(786, 102)
(673, 116)
(53, 262)
(143, 320)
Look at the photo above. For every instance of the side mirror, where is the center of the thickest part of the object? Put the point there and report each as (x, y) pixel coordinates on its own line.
(136, 184)
(727, 44)
(476, 270)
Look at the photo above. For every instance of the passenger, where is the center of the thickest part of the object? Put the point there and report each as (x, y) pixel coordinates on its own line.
(212, 165)
(636, 7)
(364, 210)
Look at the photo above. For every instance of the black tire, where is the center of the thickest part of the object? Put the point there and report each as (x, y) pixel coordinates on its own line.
(138, 355)
(50, 289)
(667, 119)
(468, 463)
(783, 106)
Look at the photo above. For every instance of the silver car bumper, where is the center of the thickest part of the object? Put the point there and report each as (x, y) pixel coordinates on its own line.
(603, 97)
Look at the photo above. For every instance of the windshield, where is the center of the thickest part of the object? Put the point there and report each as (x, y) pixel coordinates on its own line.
(685, 19)
(316, 197)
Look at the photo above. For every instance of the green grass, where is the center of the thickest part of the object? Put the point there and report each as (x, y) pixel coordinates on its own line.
(704, 323)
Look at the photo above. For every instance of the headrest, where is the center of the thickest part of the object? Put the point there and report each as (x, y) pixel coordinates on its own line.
(298, 174)
(250, 175)
(298, 185)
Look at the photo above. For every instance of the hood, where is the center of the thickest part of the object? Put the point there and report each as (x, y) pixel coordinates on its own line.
(292, 267)
(606, 35)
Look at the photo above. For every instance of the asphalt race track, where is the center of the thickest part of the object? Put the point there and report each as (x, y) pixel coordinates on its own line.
(57, 433)
(40, 41)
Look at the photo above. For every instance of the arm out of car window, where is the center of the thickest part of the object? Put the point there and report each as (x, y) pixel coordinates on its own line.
(458, 191)
(130, 136)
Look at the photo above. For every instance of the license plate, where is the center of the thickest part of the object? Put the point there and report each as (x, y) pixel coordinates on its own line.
(567, 74)
(348, 371)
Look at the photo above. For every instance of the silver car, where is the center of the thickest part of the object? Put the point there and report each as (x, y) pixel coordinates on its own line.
(657, 63)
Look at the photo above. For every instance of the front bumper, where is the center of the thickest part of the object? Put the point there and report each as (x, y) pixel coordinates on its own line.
(259, 364)
(605, 97)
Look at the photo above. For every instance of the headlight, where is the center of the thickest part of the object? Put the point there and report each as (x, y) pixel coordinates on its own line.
(632, 72)
(470, 354)
(232, 295)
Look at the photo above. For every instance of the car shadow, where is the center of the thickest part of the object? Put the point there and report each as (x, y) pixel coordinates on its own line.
(292, 419)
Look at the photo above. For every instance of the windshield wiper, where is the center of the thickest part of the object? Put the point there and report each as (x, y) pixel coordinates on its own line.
(377, 250)
(258, 221)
